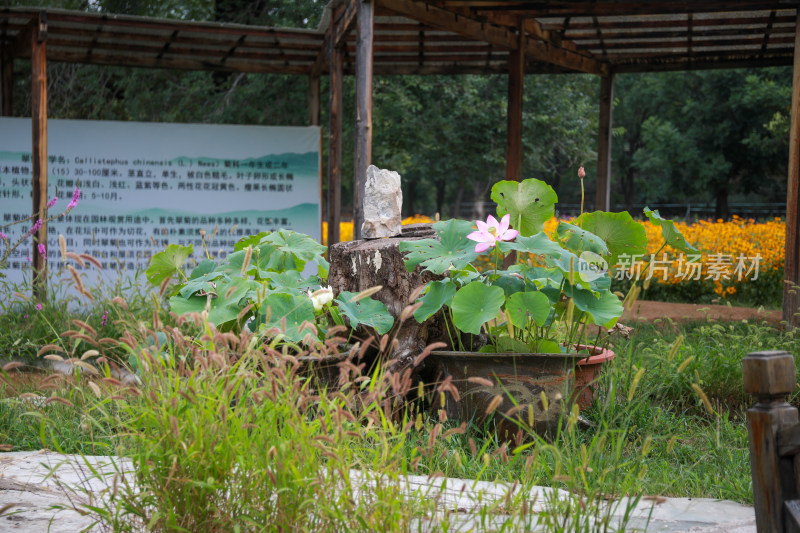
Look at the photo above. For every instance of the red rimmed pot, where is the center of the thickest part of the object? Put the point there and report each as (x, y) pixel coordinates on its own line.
(520, 379)
(587, 372)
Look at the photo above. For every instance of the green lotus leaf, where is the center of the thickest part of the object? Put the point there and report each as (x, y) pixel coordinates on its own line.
(295, 309)
(671, 235)
(205, 282)
(522, 306)
(301, 246)
(453, 249)
(539, 244)
(530, 203)
(619, 231)
(474, 305)
(439, 293)
(167, 263)
(603, 309)
(366, 311)
(250, 240)
(580, 240)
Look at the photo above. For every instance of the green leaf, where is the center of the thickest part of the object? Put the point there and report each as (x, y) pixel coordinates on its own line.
(200, 283)
(230, 301)
(580, 240)
(530, 203)
(439, 293)
(292, 280)
(302, 247)
(366, 311)
(182, 306)
(437, 256)
(545, 346)
(251, 240)
(619, 231)
(604, 308)
(476, 304)
(205, 266)
(671, 235)
(522, 305)
(294, 308)
(167, 263)
(506, 344)
(539, 244)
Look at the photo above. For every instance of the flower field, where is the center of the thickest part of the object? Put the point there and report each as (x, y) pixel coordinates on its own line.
(730, 254)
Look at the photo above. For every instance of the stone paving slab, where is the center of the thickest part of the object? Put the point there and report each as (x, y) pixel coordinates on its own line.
(46, 488)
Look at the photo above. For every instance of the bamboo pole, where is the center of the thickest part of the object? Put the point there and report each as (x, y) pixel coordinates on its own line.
(39, 155)
(335, 145)
(363, 154)
(603, 193)
(516, 77)
(791, 282)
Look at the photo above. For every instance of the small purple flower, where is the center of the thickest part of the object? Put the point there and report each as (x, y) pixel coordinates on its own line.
(52, 202)
(76, 195)
(38, 307)
(104, 319)
(36, 227)
(3, 236)
(42, 250)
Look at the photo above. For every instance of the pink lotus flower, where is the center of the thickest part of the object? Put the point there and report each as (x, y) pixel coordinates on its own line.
(581, 173)
(492, 231)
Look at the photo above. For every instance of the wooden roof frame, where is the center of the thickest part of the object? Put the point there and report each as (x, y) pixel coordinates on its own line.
(369, 37)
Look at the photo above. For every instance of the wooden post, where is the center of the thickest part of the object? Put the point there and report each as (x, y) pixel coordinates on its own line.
(39, 153)
(335, 145)
(603, 193)
(7, 83)
(313, 100)
(516, 76)
(363, 155)
(791, 265)
(770, 377)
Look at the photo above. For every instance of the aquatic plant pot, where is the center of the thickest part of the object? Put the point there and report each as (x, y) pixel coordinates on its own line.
(587, 373)
(536, 384)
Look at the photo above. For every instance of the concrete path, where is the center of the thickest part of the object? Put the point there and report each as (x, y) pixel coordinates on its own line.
(45, 491)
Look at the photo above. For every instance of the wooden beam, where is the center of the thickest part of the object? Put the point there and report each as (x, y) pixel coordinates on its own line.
(7, 83)
(791, 264)
(314, 84)
(363, 155)
(516, 76)
(342, 22)
(39, 152)
(571, 8)
(480, 30)
(603, 193)
(335, 146)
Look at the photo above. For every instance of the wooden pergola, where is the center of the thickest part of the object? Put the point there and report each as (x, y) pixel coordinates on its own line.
(368, 37)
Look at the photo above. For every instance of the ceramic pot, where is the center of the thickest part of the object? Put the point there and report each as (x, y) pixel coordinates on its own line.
(586, 374)
(518, 378)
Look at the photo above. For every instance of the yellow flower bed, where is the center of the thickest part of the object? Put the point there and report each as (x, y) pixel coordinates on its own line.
(723, 247)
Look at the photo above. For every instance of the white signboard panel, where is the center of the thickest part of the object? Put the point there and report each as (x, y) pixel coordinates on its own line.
(146, 182)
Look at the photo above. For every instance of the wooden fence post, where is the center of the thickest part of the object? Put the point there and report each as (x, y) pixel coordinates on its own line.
(770, 377)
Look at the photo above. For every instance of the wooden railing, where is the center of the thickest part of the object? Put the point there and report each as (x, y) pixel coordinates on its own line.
(774, 434)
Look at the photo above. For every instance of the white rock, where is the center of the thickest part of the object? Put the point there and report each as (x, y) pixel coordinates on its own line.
(383, 201)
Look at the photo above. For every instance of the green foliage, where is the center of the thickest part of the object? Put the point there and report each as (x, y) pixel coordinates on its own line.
(261, 281)
(451, 250)
(474, 305)
(365, 311)
(530, 203)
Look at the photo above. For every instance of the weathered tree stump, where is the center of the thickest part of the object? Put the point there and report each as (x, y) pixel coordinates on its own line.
(360, 265)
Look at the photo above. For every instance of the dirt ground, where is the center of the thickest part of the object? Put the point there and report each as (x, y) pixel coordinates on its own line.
(649, 311)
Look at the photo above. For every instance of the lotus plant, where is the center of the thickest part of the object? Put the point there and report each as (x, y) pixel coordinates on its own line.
(557, 286)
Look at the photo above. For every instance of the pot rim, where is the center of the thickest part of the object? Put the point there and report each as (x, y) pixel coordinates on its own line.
(604, 355)
(483, 355)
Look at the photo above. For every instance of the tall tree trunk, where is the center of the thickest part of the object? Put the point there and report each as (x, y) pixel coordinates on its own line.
(628, 188)
(457, 203)
(410, 197)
